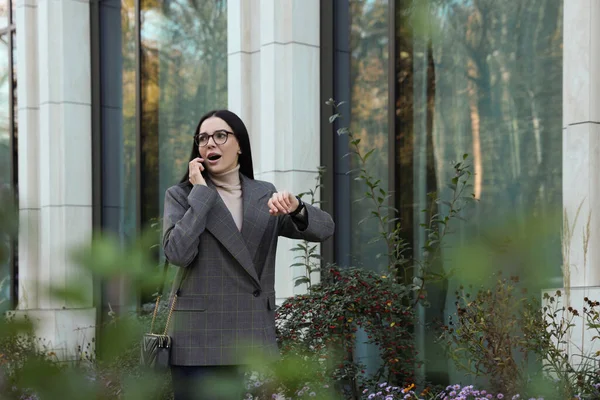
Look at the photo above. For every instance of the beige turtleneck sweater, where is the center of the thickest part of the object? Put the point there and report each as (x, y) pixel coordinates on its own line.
(229, 188)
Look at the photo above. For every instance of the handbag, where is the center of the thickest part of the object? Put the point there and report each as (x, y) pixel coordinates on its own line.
(156, 347)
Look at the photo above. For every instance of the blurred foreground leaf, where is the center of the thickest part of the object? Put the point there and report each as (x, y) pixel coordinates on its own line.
(106, 258)
(528, 248)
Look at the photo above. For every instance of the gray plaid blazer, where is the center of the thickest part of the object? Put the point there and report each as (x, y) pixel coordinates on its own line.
(226, 305)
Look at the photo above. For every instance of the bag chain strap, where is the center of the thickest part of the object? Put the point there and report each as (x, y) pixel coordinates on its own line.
(170, 313)
(154, 315)
(172, 304)
(168, 317)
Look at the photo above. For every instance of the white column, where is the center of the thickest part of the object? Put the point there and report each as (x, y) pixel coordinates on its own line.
(581, 137)
(243, 63)
(28, 150)
(274, 85)
(581, 160)
(55, 165)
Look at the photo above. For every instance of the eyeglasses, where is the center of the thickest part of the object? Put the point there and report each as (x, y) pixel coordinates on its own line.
(219, 137)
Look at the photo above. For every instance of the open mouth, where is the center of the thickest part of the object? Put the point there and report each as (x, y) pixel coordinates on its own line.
(214, 157)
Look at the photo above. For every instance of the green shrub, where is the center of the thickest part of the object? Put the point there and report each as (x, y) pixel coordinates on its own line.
(322, 324)
(503, 334)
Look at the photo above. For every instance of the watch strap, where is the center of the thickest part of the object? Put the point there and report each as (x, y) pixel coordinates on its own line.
(298, 209)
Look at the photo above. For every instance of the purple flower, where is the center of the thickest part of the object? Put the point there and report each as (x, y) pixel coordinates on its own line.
(500, 396)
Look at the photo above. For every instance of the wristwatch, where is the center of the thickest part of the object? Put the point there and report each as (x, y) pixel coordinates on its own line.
(299, 209)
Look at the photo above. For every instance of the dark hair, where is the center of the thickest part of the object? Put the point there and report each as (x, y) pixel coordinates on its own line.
(241, 134)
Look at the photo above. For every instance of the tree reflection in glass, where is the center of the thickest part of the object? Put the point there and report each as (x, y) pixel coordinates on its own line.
(369, 117)
(5, 163)
(184, 74)
(485, 78)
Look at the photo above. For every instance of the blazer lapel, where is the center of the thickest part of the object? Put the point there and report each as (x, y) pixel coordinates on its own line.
(221, 224)
(256, 213)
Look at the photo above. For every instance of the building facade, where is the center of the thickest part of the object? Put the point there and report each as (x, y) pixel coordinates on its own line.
(99, 100)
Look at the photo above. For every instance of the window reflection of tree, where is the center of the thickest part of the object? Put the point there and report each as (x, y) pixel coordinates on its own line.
(369, 113)
(5, 142)
(184, 74)
(486, 79)
(497, 96)
(5, 247)
(6, 169)
(499, 78)
(128, 59)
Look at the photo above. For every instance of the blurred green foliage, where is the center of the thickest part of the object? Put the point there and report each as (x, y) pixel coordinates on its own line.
(109, 367)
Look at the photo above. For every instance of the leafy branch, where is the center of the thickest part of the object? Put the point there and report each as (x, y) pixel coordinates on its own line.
(309, 258)
(438, 227)
(389, 225)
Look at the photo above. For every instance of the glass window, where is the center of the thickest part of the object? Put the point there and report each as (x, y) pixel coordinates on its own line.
(368, 119)
(5, 164)
(118, 93)
(361, 60)
(184, 75)
(128, 98)
(483, 78)
(12, 283)
(118, 117)
(8, 160)
(14, 106)
(5, 133)
(153, 92)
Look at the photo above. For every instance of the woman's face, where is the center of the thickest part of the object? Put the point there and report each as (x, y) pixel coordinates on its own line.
(218, 157)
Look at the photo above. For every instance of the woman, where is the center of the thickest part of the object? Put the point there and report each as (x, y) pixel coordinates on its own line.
(221, 227)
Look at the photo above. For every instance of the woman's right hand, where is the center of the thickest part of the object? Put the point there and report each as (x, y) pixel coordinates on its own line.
(196, 169)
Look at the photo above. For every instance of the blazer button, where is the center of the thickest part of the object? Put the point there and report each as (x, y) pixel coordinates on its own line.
(256, 293)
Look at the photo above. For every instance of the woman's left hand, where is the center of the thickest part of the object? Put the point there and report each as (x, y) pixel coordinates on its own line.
(282, 203)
